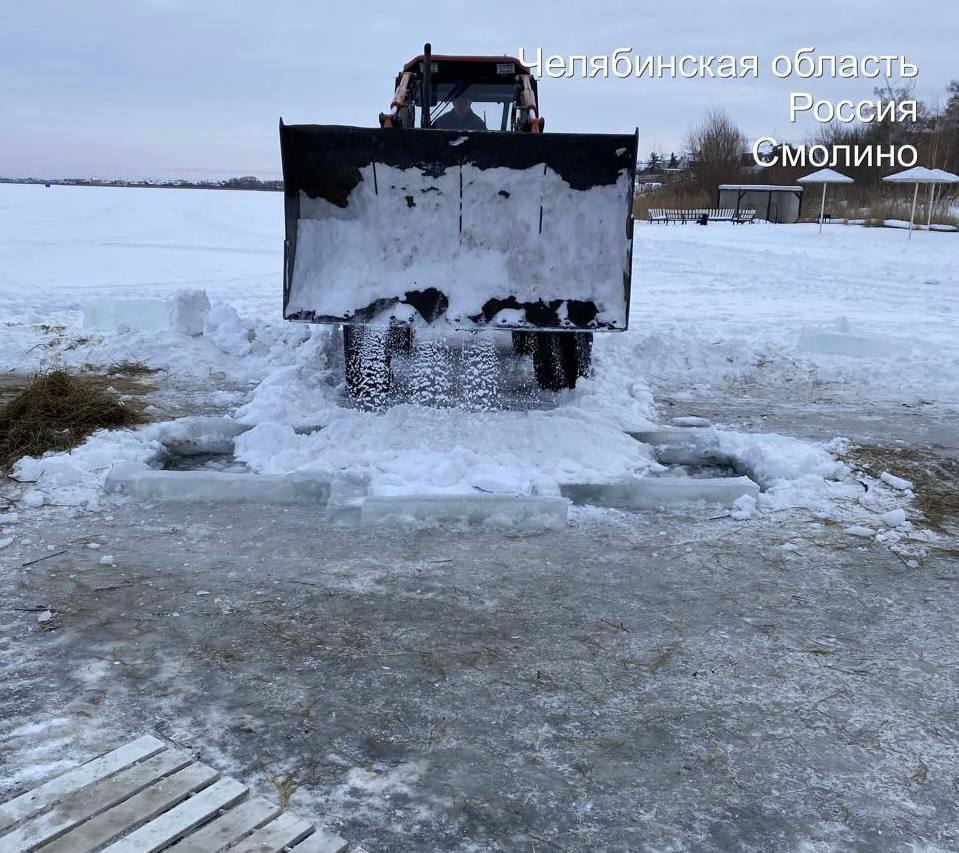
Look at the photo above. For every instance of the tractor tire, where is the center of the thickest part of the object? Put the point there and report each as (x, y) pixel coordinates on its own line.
(560, 358)
(584, 353)
(523, 342)
(400, 339)
(369, 374)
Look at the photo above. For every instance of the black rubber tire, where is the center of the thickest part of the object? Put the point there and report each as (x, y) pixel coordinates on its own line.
(367, 361)
(523, 342)
(560, 358)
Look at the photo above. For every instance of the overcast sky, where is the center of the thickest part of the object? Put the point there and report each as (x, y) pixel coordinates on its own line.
(169, 87)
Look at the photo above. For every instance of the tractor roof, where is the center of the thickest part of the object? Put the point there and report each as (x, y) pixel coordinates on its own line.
(452, 65)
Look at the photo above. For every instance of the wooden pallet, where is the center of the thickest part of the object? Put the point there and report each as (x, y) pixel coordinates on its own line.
(148, 796)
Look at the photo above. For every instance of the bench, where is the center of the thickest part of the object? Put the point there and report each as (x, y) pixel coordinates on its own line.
(727, 214)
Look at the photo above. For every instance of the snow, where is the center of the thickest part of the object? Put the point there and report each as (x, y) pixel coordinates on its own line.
(524, 233)
(712, 310)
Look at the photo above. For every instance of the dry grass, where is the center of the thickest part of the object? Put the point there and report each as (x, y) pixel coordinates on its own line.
(57, 411)
(674, 197)
(285, 786)
(935, 479)
(875, 206)
(131, 368)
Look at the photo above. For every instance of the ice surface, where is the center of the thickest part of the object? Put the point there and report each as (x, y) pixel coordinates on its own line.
(655, 492)
(522, 512)
(142, 315)
(218, 486)
(378, 247)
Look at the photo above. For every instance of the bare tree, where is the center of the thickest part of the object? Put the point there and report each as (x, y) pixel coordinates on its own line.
(716, 149)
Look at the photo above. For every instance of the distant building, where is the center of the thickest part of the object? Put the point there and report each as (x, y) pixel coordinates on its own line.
(772, 203)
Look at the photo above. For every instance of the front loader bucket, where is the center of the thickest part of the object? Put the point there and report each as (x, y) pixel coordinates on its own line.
(509, 230)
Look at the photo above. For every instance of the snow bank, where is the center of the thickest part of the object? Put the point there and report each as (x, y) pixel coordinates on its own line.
(417, 450)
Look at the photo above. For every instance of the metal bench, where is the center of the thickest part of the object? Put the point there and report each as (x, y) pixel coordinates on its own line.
(728, 214)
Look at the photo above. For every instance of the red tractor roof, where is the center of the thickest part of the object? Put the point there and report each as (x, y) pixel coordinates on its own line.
(440, 57)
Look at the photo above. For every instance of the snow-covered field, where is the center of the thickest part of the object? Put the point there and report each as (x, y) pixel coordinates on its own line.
(87, 275)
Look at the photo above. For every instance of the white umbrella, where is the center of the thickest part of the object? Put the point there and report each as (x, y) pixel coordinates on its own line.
(917, 175)
(947, 178)
(824, 177)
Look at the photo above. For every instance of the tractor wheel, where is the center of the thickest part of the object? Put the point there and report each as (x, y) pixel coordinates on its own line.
(523, 342)
(400, 339)
(584, 353)
(560, 358)
(367, 361)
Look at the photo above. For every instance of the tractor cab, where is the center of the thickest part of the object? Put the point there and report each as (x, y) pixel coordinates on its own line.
(498, 90)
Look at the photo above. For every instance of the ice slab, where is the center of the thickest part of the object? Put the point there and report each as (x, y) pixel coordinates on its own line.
(200, 434)
(141, 315)
(218, 486)
(837, 343)
(525, 512)
(655, 492)
(689, 421)
(683, 446)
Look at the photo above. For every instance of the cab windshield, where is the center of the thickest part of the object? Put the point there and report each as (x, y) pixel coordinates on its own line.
(471, 106)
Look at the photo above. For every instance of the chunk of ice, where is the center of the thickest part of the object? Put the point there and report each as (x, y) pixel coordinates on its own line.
(33, 499)
(689, 421)
(894, 518)
(141, 315)
(859, 530)
(860, 346)
(198, 434)
(523, 512)
(188, 311)
(218, 486)
(655, 492)
(895, 482)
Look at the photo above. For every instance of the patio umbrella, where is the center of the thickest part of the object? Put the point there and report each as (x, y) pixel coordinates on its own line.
(824, 177)
(947, 178)
(916, 175)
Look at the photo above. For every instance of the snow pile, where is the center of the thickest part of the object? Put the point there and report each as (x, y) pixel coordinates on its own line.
(409, 238)
(76, 478)
(418, 450)
(228, 333)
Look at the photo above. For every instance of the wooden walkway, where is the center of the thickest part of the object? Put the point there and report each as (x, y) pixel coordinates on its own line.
(147, 796)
